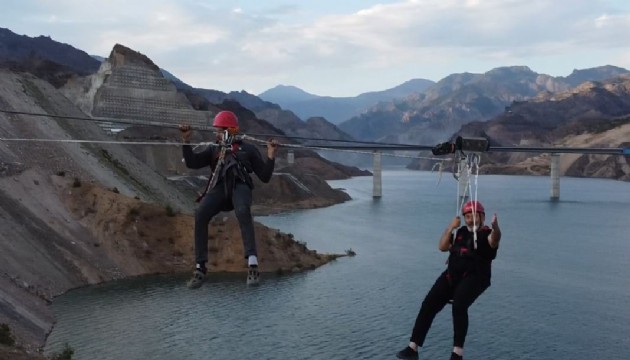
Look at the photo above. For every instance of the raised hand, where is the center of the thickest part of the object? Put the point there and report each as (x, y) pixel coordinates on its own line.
(186, 132)
(455, 223)
(272, 147)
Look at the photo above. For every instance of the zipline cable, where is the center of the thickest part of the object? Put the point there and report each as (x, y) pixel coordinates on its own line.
(367, 145)
(156, 143)
(175, 126)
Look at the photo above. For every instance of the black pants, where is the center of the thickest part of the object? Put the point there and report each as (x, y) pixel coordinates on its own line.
(214, 202)
(463, 293)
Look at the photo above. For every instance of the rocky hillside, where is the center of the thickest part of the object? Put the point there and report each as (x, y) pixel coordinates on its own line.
(578, 77)
(313, 128)
(316, 131)
(73, 214)
(595, 114)
(63, 233)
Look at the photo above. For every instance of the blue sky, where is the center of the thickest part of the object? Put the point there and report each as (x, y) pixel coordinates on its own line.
(336, 48)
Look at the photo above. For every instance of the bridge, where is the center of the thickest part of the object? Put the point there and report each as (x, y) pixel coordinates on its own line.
(474, 146)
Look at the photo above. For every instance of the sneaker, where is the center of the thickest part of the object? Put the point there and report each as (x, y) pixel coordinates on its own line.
(253, 276)
(456, 357)
(197, 280)
(407, 353)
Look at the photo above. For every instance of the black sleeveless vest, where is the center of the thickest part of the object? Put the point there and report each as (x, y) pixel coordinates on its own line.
(464, 259)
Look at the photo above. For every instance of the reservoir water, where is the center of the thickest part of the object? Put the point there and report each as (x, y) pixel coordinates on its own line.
(560, 287)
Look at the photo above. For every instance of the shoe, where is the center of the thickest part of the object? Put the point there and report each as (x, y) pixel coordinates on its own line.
(456, 357)
(407, 353)
(197, 280)
(253, 276)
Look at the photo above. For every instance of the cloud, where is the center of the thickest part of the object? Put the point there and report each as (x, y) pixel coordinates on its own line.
(259, 44)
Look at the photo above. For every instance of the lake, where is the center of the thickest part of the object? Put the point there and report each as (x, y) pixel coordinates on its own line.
(560, 287)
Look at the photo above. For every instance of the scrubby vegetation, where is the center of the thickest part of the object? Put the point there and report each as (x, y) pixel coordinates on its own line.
(6, 338)
(65, 354)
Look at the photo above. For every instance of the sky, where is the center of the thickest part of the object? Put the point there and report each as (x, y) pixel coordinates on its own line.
(336, 47)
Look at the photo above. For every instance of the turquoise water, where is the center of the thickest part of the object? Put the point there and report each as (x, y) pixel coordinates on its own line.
(560, 287)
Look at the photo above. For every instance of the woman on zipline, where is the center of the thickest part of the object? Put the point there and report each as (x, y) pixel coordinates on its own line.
(467, 276)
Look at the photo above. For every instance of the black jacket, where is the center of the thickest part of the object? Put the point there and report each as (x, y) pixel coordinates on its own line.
(247, 157)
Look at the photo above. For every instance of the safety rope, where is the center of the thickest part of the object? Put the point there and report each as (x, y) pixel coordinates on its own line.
(469, 169)
(472, 165)
(458, 206)
(459, 157)
(440, 166)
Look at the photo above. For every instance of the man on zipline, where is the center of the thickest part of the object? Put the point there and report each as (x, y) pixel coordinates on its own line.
(467, 276)
(230, 188)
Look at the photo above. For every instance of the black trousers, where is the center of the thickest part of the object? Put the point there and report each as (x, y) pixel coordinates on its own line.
(463, 293)
(213, 203)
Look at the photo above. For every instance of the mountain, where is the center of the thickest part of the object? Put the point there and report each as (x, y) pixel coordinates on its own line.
(594, 114)
(597, 73)
(172, 78)
(337, 109)
(286, 94)
(246, 99)
(458, 99)
(17, 48)
(315, 131)
(401, 91)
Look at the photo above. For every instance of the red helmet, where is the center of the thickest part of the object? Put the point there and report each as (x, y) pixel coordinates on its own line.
(225, 119)
(472, 205)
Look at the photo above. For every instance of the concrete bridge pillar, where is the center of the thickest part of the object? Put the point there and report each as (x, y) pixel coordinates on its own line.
(377, 189)
(290, 157)
(555, 177)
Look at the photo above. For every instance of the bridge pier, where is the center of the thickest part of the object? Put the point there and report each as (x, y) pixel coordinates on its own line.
(377, 178)
(290, 157)
(555, 177)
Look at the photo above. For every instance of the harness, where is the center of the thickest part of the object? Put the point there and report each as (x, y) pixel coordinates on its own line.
(463, 247)
(229, 168)
(464, 257)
